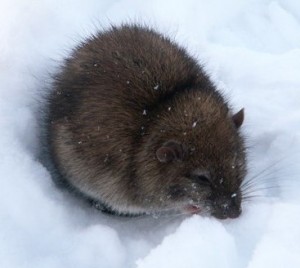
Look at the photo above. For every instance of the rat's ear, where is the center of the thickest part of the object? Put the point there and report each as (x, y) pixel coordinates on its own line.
(170, 151)
(238, 118)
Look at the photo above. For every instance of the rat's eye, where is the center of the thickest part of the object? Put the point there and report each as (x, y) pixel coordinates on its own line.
(200, 177)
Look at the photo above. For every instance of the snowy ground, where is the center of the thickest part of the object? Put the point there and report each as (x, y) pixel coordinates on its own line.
(251, 50)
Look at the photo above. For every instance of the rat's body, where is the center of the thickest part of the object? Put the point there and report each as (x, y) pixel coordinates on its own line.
(135, 124)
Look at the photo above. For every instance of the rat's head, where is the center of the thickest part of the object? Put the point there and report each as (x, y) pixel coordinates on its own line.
(200, 163)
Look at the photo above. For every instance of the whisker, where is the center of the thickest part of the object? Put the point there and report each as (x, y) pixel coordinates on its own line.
(252, 198)
(254, 186)
(261, 188)
(267, 177)
(263, 171)
(253, 195)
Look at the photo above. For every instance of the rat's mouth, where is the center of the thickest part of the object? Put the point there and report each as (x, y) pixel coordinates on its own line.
(192, 209)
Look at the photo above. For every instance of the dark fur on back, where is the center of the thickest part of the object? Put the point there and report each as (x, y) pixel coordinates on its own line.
(120, 96)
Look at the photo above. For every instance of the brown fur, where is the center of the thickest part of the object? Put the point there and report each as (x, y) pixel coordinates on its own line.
(120, 97)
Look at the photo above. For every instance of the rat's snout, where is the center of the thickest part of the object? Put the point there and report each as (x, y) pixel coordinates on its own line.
(224, 208)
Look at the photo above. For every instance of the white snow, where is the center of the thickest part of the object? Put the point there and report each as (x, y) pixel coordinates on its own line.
(251, 49)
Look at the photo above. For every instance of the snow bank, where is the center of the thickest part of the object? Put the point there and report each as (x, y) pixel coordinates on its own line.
(251, 49)
(198, 243)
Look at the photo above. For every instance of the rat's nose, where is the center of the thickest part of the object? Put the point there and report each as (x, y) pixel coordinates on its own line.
(234, 212)
(224, 208)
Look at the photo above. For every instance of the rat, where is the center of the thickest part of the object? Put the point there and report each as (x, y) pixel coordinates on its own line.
(135, 125)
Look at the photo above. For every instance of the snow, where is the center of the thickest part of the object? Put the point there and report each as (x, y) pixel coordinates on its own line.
(251, 49)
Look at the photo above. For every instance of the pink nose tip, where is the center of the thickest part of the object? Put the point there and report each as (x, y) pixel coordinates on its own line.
(192, 209)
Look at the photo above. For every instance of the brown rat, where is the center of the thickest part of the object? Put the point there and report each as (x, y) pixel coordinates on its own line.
(136, 125)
